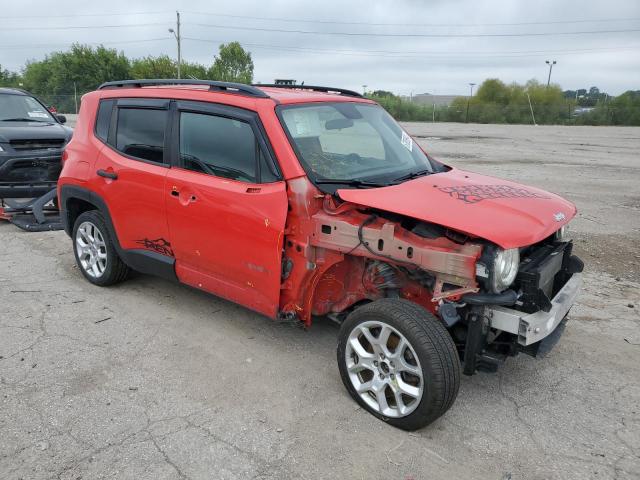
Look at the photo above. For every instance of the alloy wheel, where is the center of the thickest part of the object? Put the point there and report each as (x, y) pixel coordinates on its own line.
(384, 369)
(92, 249)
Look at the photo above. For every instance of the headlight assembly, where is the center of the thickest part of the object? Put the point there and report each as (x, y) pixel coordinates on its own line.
(504, 269)
(562, 235)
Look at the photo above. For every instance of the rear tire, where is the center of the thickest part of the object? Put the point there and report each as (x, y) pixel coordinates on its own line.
(398, 362)
(94, 250)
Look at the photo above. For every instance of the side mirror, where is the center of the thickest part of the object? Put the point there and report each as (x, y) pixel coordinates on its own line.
(61, 118)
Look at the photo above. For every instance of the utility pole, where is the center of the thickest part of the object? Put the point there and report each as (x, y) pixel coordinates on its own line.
(75, 95)
(531, 108)
(551, 64)
(176, 34)
(468, 100)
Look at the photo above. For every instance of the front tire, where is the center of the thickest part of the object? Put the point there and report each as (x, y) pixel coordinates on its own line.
(95, 254)
(398, 362)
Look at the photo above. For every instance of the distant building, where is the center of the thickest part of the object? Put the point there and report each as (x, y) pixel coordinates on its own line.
(429, 99)
(284, 81)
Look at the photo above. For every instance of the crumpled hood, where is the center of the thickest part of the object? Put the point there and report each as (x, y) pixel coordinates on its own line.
(32, 131)
(506, 213)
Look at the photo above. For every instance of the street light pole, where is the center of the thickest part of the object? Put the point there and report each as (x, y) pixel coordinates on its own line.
(551, 64)
(176, 34)
(468, 100)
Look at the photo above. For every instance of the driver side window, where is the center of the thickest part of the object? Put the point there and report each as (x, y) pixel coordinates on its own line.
(219, 146)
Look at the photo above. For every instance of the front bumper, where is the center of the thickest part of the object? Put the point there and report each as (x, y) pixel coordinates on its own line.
(29, 175)
(533, 327)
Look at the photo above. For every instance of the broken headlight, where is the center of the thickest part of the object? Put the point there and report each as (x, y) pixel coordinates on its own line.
(562, 235)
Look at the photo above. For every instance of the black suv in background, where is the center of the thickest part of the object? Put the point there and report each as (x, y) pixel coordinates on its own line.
(31, 143)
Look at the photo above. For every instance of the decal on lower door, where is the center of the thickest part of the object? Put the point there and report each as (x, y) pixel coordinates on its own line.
(477, 193)
(159, 245)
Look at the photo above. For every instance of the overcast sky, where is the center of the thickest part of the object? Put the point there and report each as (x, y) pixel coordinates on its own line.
(409, 46)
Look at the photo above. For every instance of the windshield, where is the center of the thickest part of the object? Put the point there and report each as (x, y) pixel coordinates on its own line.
(358, 144)
(22, 108)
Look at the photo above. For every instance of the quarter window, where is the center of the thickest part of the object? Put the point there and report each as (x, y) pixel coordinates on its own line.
(104, 119)
(218, 146)
(140, 133)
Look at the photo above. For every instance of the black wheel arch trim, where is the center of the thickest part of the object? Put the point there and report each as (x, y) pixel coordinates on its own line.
(140, 260)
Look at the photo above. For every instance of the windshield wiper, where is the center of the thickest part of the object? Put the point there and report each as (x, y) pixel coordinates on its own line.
(23, 120)
(412, 175)
(354, 182)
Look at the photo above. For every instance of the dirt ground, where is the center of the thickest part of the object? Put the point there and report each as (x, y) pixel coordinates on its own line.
(152, 380)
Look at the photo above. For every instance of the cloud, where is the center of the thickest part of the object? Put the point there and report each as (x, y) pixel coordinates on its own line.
(443, 65)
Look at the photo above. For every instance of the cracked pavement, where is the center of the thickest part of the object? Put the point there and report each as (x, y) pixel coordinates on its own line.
(155, 380)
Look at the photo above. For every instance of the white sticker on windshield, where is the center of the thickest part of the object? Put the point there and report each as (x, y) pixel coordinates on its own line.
(406, 141)
(37, 115)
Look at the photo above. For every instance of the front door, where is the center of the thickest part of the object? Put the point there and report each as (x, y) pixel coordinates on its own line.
(226, 206)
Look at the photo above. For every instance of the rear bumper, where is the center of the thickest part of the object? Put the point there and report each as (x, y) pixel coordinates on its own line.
(533, 327)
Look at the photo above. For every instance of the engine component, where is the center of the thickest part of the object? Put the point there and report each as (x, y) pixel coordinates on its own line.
(383, 276)
(508, 297)
(449, 314)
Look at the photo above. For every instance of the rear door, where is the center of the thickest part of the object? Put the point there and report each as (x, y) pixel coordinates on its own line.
(226, 205)
(131, 173)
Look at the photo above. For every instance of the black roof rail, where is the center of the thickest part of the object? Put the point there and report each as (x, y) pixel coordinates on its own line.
(230, 87)
(341, 91)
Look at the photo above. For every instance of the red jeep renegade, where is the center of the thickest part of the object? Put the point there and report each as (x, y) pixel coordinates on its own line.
(309, 201)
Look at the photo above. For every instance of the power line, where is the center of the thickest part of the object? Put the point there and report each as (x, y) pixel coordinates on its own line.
(330, 22)
(350, 34)
(49, 45)
(373, 53)
(415, 35)
(77, 27)
(418, 54)
(68, 15)
(336, 22)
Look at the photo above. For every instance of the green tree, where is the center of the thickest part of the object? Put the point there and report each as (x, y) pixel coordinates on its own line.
(492, 90)
(624, 109)
(154, 67)
(8, 78)
(233, 64)
(82, 69)
(165, 67)
(381, 93)
(195, 70)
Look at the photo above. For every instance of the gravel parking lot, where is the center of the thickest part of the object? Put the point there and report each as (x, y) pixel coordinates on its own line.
(153, 380)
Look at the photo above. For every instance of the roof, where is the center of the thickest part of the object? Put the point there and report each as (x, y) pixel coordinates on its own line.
(296, 94)
(13, 91)
(206, 89)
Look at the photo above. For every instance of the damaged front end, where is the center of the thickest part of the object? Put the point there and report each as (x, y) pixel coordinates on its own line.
(544, 290)
(339, 255)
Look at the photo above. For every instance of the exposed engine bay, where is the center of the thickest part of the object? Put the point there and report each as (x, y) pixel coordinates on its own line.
(355, 255)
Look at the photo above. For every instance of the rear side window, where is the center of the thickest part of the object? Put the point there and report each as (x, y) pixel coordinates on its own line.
(140, 133)
(218, 146)
(103, 119)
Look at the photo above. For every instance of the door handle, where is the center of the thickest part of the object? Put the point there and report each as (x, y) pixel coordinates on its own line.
(176, 193)
(105, 174)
